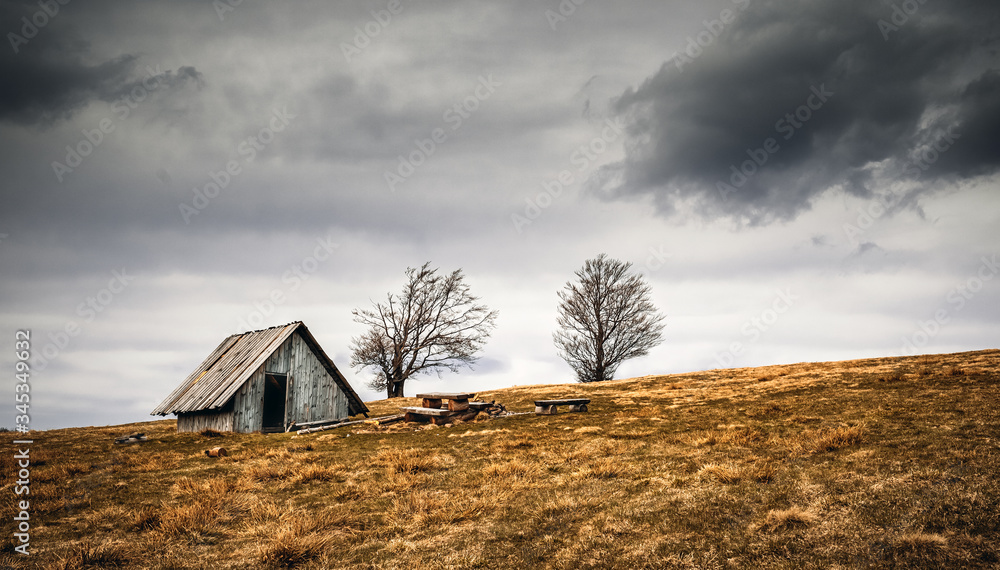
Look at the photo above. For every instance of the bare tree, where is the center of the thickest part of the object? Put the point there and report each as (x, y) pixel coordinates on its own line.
(434, 324)
(605, 318)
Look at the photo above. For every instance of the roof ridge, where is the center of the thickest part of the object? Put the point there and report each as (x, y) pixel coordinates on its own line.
(271, 328)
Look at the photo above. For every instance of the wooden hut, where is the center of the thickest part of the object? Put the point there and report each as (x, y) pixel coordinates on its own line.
(267, 380)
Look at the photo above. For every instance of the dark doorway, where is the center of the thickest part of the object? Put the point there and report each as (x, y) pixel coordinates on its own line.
(275, 386)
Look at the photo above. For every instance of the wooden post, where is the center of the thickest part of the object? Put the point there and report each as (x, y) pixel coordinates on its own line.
(468, 416)
(431, 403)
(545, 410)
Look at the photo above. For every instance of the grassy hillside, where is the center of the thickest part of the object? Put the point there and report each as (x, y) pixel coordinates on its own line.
(880, 463)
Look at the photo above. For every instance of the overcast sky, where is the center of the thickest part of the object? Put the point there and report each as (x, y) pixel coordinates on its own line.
(797, 180)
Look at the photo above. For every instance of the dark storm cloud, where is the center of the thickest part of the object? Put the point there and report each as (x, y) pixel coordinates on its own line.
(979, 118)
(48, 87)
(863, 93)
(47, 76)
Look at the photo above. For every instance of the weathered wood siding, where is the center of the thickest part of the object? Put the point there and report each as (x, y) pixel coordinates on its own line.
(219, 420)
(248, 404)
(312, 393)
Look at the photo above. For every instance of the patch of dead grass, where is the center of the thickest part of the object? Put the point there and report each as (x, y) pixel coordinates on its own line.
(921, 542)
(831, 439)
(770, 410)
(800, 419)
(955, 371)
(411, 461)
(89, 554)
(784, 519)
(297, 540)
(743, 436)
(203, 508)
(897, 375)
(732, 473)
(603, 468)
(267, 471)
(511, 441)
(515, 469)
(144, 518)
(318, 473)
(736, 435)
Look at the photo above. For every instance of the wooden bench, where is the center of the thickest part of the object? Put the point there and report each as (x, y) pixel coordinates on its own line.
(457, 401)
(437, 416)
(548, 407)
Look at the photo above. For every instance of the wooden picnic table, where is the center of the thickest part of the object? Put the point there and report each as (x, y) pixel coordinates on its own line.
(457, 401)
(431, 407)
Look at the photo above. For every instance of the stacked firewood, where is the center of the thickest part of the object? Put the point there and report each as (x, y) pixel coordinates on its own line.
(495, 410)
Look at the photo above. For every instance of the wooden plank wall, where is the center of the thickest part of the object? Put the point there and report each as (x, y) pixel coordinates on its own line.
(248, 404)
(278, 361)
(219, 420)
(313, 394)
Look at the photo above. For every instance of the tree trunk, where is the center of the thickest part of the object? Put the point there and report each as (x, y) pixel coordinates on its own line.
(599, 366)
(394, 385)
(396, 390)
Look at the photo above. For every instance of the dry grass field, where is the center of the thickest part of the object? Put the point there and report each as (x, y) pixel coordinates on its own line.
(879, 463)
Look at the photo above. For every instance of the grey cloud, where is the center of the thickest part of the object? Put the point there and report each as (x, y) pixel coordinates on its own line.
(153, 76)
(52, 83)
(978, 129)
(50, 86)
(54, 73)
(689, 127)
